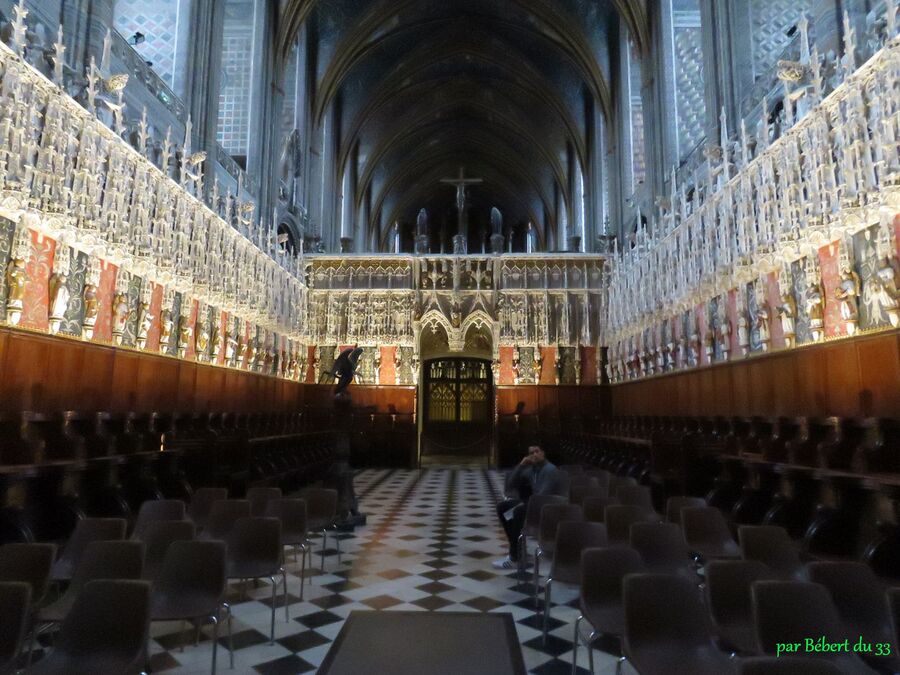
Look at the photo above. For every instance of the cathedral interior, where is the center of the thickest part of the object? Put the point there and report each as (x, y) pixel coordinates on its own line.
(649, 246)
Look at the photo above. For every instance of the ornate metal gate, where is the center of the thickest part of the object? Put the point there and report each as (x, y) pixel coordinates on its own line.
(458, 406)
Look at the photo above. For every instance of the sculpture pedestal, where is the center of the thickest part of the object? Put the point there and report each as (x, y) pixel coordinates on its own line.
(422, 244)
(497, 241)
(460, 246)
(340, 474)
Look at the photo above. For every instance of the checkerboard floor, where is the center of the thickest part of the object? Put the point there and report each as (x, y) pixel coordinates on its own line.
(428, 545)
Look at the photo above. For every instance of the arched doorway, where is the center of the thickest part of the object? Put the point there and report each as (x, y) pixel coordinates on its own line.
(456, 396)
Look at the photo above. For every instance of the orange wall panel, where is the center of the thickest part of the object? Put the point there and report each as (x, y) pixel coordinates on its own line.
(36, 300)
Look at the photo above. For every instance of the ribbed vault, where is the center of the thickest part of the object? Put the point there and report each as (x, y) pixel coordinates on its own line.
(416, 89)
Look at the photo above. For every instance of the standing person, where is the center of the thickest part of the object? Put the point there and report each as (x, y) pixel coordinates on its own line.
(534, 475)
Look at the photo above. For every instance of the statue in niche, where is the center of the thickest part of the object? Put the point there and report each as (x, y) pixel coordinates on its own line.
(240, 351)
(250, 354)
(185, 334)
(293, 368)
(215, 342)
(145, 320)
(202, 333)
(557, 365)
(724, 331)
(302, 359)
(59, 299)
(379, 316)
(120, 314)
(231, 341)
(743, 324)
(401, 318)
(787, 310)
(455, 314)
(815, 309)
(695, 346)
(16, 280)
(762, 319)
(847, 293)
(886, 291)
(91, 310)
(632, 360)
(166, 323)
(709, 344)
(268, 357)
(517, 374)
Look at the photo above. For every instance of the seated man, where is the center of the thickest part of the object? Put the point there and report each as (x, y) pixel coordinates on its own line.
(533, 475)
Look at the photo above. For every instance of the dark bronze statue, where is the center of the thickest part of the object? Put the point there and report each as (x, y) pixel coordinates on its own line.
(344, 369)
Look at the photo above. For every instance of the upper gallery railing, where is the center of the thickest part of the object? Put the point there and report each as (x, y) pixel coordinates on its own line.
(835, 172)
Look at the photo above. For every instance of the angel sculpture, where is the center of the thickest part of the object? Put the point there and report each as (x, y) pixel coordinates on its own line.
(344, 369)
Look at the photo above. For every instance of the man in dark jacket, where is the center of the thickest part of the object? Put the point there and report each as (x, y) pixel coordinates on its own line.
(534, 475)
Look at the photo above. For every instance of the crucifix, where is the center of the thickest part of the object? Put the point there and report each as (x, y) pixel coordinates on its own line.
(460, 182)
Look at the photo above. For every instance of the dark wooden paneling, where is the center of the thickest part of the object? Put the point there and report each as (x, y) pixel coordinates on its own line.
(879, 371)
(854, 377)
(49, 373)
(566, 401)
(379, 398)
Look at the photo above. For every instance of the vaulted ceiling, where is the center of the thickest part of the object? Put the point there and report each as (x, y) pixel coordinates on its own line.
(506, 88)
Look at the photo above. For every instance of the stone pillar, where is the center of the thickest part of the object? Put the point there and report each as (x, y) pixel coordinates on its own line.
(85, 23)
(266, 103)
(721, 79)
(622, 171)
(659, 123)
(202, 77)
(660, 115)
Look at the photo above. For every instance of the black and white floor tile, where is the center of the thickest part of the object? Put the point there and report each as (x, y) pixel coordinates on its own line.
(428, 545)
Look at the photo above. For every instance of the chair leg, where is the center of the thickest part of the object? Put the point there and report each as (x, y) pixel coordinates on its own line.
(537, 574)
(230, 634)
(619, 663)
(215, 622)
(302, 570)
(547, 593)
(575, 641)
(30, 646)
(284, 584)
(337, 543)
(324, 544)
(147, 651)
(590, 648)
(523, 548)
(274, 594)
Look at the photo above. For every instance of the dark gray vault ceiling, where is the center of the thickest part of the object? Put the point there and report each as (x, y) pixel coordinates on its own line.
(500, 87)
